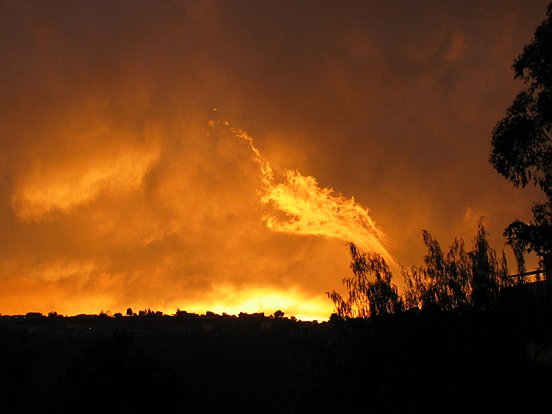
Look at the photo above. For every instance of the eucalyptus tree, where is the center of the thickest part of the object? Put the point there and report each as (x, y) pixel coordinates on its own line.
(522, 142)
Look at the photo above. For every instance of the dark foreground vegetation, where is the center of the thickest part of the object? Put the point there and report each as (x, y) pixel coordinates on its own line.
(414, 361)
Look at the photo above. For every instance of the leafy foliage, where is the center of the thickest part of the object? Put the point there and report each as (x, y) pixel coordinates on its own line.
(456, 280)
(367, 298)
(522, 143)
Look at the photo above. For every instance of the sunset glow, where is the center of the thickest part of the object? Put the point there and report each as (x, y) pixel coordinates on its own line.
(44, 192)
(121, 186)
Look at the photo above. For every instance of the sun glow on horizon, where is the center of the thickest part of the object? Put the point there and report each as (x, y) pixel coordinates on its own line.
(141, 233)
(227, 299)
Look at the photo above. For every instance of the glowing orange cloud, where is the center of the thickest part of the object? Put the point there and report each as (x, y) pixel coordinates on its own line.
(42, 192)
(300, 206)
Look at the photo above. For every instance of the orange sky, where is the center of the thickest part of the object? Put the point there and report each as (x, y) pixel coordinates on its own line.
(118, 191)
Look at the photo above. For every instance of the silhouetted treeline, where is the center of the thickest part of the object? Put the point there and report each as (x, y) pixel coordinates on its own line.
(465, 336)
(455, 280)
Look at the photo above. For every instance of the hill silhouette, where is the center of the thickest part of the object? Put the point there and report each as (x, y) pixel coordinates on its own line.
(414, 361)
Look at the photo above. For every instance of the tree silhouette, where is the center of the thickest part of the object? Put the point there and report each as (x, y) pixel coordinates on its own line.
(522, 142)
(444, 282)
(457, 280)
(488, 272)
(367, 298)
(278, 314)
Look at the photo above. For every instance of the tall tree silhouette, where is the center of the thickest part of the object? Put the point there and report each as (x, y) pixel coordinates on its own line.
(522, 142)
(367, 298)
(444, 282)
(488, 272)
(459, 279)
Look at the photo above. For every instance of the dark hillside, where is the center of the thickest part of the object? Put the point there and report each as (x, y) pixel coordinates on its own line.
(410, 362)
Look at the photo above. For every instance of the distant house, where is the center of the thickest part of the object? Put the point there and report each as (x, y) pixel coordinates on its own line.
(33, 315)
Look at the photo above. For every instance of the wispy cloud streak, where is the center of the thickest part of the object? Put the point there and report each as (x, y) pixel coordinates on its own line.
(298, 205)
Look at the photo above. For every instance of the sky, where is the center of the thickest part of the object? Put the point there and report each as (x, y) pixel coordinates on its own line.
(219, 155)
